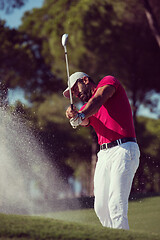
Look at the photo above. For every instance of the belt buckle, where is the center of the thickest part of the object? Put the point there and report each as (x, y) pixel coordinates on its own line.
(103, 146)
(119, 141)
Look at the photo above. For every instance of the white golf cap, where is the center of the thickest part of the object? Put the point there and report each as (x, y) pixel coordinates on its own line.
(73, 79)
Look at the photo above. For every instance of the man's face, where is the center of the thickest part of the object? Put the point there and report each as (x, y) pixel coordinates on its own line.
(82, 90)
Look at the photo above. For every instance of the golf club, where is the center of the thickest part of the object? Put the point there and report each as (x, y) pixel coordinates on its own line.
(64, 41)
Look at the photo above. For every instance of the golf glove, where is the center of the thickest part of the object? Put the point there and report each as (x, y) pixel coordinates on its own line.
(77, 120)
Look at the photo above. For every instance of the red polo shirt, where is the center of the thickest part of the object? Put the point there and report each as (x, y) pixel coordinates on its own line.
(114, 119)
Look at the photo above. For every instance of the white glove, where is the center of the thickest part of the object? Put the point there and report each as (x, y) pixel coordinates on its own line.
(77, 120)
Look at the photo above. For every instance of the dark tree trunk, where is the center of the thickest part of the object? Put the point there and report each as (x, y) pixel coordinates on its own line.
(93, 161)
(152, 20)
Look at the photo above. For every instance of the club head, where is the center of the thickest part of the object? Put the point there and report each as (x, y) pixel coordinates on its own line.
(64, 39)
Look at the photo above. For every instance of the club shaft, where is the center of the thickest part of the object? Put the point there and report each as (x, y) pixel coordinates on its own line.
(69, 85)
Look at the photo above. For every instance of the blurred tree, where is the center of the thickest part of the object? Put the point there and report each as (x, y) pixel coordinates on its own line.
(105, 37)
(10, 5)
(22, 65)
(147, 178)
(152, 20)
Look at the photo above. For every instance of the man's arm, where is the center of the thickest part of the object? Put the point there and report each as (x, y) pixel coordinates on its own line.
(101, 96)
(93, 105)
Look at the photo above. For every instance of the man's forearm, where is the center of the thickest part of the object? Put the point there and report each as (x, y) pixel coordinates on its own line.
(102, 95)
(92, 107)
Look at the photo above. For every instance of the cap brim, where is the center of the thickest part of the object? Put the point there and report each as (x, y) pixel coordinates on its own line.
(66, 93)
(73, 79)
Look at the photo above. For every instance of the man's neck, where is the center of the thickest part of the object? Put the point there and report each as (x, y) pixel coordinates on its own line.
(93, 88)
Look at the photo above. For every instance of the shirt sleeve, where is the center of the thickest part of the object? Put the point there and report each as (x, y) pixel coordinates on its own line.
(109, 80)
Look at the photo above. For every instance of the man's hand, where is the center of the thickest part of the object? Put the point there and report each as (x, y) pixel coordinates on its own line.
(71, 113)
(77, 120)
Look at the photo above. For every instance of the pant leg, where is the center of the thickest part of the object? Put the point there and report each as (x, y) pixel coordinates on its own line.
(124, 164)
(101, 188)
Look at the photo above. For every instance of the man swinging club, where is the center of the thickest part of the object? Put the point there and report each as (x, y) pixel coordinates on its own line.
(108, 111)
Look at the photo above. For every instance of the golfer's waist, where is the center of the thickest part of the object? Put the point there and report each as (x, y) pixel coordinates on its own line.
(117, 142)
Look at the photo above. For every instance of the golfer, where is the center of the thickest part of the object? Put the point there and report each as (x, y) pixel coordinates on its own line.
(108, 111)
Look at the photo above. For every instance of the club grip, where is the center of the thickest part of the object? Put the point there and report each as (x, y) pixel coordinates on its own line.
(72, 106)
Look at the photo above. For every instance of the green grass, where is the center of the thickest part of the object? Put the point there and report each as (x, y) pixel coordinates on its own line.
(144, 215)
(144, 218)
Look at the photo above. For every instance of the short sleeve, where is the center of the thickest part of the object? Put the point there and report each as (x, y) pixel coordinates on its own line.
(109, 80)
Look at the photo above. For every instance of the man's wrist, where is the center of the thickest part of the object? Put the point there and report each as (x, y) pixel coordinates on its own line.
(81, 115)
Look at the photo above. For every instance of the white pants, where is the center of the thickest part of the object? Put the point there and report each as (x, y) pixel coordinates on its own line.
(113, 178)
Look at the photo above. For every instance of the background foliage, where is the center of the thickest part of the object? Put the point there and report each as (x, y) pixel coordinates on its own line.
(105, 37)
